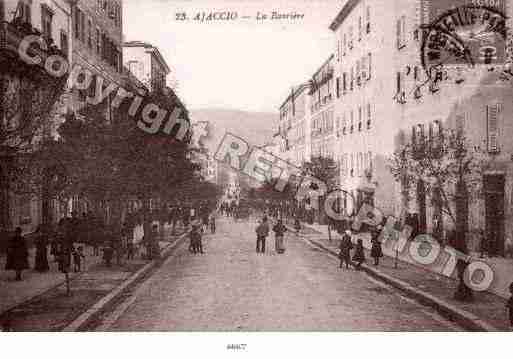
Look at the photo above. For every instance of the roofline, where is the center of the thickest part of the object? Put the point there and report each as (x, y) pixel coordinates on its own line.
(297, 91)
(342, 15)
(152, 49)
(324, 64)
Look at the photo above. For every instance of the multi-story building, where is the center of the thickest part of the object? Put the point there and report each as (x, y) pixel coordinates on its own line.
(50, 19)
(294, 117)
(322, 124)
(147, 63)
(307, 124)
(386, 97)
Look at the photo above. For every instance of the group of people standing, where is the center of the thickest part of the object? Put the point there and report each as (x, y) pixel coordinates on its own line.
(262, 232)
(346, 246)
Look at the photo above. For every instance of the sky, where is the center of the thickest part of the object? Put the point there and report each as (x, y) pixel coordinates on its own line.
(244, 64)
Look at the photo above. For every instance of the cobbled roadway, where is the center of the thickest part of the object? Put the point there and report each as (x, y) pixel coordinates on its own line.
(231, 288)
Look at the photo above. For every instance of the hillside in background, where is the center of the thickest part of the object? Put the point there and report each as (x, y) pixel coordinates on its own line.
(256, 128)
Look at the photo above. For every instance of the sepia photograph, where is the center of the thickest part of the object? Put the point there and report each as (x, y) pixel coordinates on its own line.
(256, 166)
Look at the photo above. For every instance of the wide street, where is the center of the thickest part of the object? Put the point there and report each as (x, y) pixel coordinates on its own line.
(231, 288)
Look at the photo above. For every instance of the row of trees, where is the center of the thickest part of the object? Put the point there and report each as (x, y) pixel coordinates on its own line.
(105, 162)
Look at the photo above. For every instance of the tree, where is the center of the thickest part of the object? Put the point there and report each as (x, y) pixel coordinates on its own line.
(28, 98)
(446, 167)
(324, 169)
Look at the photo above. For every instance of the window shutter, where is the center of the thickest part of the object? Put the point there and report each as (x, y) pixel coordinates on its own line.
(369, 60)
(398, 34)
(493, 128)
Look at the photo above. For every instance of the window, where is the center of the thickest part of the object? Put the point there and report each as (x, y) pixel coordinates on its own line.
(344, 45)
(360, 117)
(352, 122)
(369, 66)
(98, 41)
(401, 32)
(344, 82)
(399, 83)
(352, 79)
(77, 23)
(64, 42)
(46, 21)
(364, 68)
(358, 74)
(369, 116)
(350, 38)
(338, 87)
(24, 11)
(90, 33)
(359, 28)
(368, 26)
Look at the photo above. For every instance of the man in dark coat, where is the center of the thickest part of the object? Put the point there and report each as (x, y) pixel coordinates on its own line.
(345, 250)
(17, 254)
(262, 232)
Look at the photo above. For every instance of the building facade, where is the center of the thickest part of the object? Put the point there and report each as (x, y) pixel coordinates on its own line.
(387, 98)
(147, 63)
(51, 20)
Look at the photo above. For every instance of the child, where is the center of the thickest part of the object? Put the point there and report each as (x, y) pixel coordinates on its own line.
(78, 255)
(359, 254)
(509, 306)
(345, 250)
(376, 250)
(297, 226)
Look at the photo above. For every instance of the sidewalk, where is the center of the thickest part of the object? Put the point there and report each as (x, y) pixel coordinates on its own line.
(13, 293)
(487, 308)
(40, 291)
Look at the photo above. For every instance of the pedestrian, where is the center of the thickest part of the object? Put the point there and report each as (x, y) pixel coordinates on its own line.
(508, 248)
(297, 225)
(195, 240)
(376, 249)
(359, 254)
(108, 253)
(279, 232)
(483, 243)
(17, 254)
(262, 232)
(78, 255)
(345, 247)
(41, 242)
(213, 224)
(509, 307)
(130, 250)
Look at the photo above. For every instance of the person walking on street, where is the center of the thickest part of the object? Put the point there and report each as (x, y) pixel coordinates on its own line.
(78, 255)
(345, 247)
(195, 240)
(213, 224)
(509, 248)
(297, 225)
(17, 254)
(359, 254)
(262, 232)
(279, 232)
(42, 241)
(376, 249)
(509, 307)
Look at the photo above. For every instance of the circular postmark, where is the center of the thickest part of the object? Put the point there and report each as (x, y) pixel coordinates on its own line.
(465, 35)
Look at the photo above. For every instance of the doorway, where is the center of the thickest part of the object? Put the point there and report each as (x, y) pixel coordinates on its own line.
(494, 207)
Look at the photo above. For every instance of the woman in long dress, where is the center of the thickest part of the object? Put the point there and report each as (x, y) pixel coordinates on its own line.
(279, 231)
(42, 241)
(17, 254)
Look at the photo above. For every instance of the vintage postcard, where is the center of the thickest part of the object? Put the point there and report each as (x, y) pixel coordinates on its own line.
(256, 166)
